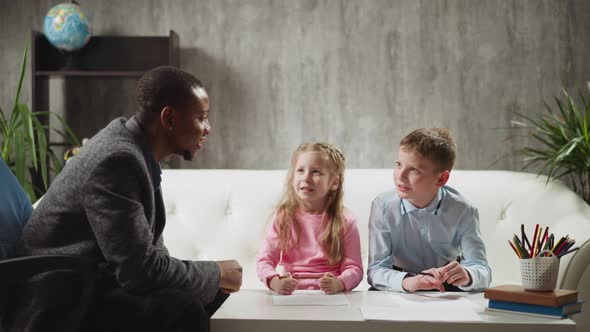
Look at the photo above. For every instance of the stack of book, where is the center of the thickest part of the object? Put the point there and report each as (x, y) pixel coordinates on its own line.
(558, 303)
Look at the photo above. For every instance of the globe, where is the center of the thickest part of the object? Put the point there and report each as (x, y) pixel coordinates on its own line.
(66, 27)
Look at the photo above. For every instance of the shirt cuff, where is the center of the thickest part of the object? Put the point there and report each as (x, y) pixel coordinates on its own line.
(346, 282)
(474, 280)
(269, 278)
(399, 279)
(391, 283)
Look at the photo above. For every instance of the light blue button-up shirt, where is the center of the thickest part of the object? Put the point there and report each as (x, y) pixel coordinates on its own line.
(417, 239)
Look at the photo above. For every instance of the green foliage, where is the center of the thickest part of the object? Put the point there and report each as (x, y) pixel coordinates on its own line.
(562, 142)
(24, 144)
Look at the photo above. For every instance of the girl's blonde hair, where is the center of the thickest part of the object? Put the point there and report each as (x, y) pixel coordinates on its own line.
(332, 239)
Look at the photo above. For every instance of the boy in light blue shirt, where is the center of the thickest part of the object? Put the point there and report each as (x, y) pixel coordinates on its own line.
(15, 211)
(424, 235)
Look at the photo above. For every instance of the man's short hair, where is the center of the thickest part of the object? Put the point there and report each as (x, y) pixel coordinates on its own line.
(435, 144)
(165, 86)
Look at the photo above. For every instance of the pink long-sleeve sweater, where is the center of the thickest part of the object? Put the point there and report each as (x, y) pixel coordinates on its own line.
(307, 258)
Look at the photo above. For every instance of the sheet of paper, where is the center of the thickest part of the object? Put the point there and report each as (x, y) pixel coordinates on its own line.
(309, 297)
(425, 307)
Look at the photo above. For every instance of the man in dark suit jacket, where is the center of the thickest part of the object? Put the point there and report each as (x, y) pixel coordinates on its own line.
(106, 204)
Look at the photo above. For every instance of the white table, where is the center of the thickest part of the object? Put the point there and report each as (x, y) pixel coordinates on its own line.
(252, 310)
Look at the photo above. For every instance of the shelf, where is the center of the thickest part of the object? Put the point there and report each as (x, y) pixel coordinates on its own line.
(88, 73)
(117, 56)
(107, 57)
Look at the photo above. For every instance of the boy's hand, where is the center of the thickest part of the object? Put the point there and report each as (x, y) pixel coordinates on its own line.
(330, 284)
(422, 282)
(454, 274)
(284, 284)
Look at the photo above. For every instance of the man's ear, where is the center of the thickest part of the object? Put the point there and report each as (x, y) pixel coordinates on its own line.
(443, 177)
(167, 117)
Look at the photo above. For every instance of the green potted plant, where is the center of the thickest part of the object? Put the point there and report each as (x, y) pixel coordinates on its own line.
(561, 142)
(24, 146)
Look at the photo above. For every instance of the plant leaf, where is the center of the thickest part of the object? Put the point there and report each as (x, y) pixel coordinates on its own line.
(20, 154)
(71, 137)
(24, 144)
(55, 161)
(3, 124)
(28, 187)
(29, 132)
(23, 69)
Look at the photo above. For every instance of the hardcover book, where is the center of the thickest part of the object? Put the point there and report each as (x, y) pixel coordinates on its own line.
(536, 310)
(516, 293)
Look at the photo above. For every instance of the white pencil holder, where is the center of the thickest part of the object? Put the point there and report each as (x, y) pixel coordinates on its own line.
(539, 273)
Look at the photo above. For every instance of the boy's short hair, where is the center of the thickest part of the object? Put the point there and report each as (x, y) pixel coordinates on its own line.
(435, 144)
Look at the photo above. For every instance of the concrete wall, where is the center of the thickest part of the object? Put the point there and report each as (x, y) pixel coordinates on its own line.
(359, 74)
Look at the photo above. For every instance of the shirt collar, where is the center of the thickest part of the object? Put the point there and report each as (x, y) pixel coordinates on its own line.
(153, 166)
(406, 207)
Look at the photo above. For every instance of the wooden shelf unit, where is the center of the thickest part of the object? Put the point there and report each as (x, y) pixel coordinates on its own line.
(112, 57)
(103, 56)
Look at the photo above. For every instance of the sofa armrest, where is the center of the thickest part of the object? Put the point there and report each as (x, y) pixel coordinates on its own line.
(577, 265)
(577, 276)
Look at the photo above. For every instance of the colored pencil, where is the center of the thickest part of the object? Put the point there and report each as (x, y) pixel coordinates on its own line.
(513, 248)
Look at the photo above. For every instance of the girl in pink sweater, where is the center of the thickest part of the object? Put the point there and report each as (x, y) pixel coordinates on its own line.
(312, 235)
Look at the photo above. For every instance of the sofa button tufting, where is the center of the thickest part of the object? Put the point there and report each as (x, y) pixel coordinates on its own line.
(503, 211)
(170, 210)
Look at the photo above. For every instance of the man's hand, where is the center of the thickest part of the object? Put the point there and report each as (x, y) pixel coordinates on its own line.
(284, 284)
(422, 282)
(231, 276)
(330, 284)
(454, 274)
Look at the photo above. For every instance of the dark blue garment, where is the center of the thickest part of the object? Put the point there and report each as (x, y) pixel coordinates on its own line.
(15, 210)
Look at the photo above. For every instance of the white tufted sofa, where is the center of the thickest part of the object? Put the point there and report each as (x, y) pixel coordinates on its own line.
(222, 214)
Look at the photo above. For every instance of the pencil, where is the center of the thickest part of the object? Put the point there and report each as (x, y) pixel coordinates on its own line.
(547, 245)
(534, 242)
(538, 246)
(569, 245)
(520, 248)
(567, 252)
(557, 244)
(517, 241)
(560, 248)
(513, 248)
(426, 274)
(526, 239)
(544, 238)
(306, 276)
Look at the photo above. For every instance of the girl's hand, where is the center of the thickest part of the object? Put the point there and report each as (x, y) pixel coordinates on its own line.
(422, 282)
(454, 274)
(284, 284)
(330, 284)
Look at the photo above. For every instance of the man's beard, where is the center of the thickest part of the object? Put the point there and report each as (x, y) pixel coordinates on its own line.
(187, 155)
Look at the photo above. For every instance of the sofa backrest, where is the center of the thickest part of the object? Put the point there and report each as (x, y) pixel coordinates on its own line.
(223, 214)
